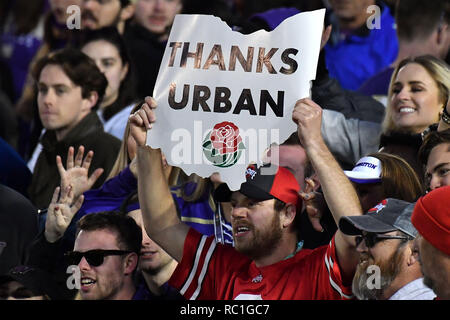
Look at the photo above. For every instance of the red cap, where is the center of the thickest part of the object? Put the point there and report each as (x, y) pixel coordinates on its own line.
(276, 182)
(431, 217)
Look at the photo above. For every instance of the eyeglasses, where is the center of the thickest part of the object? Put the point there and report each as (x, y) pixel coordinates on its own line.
(372, 239)
(95, 257)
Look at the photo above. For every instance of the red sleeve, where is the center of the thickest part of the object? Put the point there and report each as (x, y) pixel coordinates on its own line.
(334, 281)
(190, 276)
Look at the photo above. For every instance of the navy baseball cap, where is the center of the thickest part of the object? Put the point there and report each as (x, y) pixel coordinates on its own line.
(275, 183)
(387, 216)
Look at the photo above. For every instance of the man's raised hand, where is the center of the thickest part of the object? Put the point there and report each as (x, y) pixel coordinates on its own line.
(308, 116)
(142, 120)
(60, 213)
(76, 173)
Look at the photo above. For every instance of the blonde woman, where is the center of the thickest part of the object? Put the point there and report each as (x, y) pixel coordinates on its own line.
(418, 93)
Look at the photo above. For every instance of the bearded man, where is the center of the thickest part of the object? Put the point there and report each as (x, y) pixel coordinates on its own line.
(389, 265)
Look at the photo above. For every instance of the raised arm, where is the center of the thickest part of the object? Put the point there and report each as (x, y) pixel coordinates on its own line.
(158, 208)
(338, 191)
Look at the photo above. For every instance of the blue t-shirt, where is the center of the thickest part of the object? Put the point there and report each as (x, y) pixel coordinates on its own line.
(354, 57)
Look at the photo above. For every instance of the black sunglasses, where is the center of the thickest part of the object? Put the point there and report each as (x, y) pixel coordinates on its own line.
(94, 257)
(372, 239)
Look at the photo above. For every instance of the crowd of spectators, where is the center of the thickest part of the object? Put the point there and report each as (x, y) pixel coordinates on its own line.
(89, 212)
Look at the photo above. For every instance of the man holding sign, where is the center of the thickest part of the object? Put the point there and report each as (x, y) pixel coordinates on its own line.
(268, 262)
(224, 97)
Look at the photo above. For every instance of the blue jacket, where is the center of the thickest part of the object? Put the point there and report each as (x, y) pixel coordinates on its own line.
(353, 58)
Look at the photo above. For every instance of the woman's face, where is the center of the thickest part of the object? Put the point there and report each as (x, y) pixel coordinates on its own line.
(108, 60)
(415, 100)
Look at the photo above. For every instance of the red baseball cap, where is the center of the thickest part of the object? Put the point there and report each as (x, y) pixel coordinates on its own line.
(264, 183)
(431, 217)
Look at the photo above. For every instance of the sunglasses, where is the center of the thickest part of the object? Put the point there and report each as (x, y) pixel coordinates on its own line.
(95, 257)
(371, 239)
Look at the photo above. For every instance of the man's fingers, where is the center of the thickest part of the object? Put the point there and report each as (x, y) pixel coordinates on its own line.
(144, 116)
(310, 185)
(314, 217)
(151, 102)
(94, 176)
(55, 195)
(69, 197)
(307, 196)
(60, 166)
(87, 160)
(315, 222)
(69, 163)
(64, 194)
(79, 156)
(77, 205)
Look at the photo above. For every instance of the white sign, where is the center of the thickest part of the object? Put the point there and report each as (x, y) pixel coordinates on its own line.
(224, 97)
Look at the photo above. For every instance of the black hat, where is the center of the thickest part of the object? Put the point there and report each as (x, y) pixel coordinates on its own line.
(389, 215)
(264, 183)
(40, 282)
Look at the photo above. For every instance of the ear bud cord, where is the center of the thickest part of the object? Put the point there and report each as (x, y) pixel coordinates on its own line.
(299, 247)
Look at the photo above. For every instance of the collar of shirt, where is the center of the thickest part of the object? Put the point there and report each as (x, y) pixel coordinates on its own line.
(415, 290)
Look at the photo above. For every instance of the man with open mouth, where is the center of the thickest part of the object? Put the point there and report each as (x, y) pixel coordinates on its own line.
(106, 250)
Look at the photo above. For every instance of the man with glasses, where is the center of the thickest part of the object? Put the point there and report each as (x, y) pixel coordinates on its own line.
(96, 14)
(106, 250)
(389, 266)
(268, 261)
(378, 250)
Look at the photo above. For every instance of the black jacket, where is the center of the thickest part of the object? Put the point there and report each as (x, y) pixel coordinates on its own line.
(18, 227)
(146, 53)
(89, 133)
(328, 93)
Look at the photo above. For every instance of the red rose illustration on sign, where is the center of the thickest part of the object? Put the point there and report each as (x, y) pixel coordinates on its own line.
(225, 137)
(223, 146)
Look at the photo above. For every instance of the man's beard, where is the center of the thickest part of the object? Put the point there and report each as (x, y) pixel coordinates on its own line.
(389, 270)
(263, 242)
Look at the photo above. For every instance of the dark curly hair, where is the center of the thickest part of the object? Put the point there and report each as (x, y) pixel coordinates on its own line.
(78, 67)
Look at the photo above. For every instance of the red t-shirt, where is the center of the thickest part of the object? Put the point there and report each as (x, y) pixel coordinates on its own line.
(212, 271)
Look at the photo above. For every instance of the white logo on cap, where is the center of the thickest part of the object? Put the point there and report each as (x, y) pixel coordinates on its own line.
(367, 164)
(250, 172)
(379, 207)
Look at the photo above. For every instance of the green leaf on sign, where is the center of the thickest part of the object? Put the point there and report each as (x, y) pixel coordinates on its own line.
(207, 144)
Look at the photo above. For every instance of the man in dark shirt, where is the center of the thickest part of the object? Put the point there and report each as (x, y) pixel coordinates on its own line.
(70, 86)
(146, 37)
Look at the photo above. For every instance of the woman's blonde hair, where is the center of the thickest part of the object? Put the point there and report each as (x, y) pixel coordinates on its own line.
(123, 160)
(436, 68)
